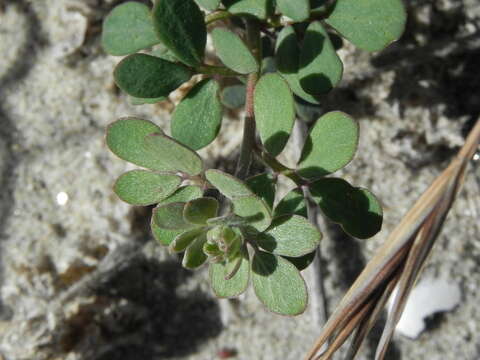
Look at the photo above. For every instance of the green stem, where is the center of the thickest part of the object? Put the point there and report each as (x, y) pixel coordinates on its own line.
(215, 70)
(217, 15)
(279, 168)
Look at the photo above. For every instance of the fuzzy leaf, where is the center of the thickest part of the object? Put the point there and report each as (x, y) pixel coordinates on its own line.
(233, 97)
(369, 24)
(330, 145)
(194, 256)
(288, 61)
(196, 120)
(198, 211)
(234, 286)
(227, 184)
(181, 28)
(141, 187)
(320, 67)
(297, 10)
(278, 284)
(274, 112)
(254, 210)
(146, 76)
(233, 52)
(209, 5)
(127, 29)
(170, 217)
(356, 209)
(173, 155)
(290, 235)
(258, 8)
(183, 240)
(263, 185)
(292, 204)
(126, 139)
(184, 194)
(302, 262)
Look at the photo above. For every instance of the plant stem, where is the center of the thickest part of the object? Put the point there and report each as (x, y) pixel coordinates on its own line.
(249, 128)
(217, 15)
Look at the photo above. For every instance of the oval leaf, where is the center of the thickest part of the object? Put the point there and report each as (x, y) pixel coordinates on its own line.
(194, 256)
(274, 112)
(320, 67)
(369, 24)
(233, 52)
(235, 285)
(330, 145)
(263, 185)
(278, 284)
(227, 184)
(183, 240)
(198, 211)
(170, 216)
(127, 29)
(254, 210)
(233, 97)
(209, 5)
(292, 204)
(141, 187)
(184, 194)
(290, 235)
(181, 28)
(173, 156)
(126, 139)
(302, 262)
(196, 120)
(357, 210)
(287, 57)
(258, 8)
(146, 76)
(297, 10)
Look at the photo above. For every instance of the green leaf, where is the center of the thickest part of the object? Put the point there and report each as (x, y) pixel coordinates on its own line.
(290, 235)
(357, 210)
(320, 67)
(198, 211)
(274, 112)
(292, 204)
(146, 76)
(181, 28)
(126, 139)
(369, 24)
(288, 61)
(174, 156)
(233, 52)
(227, 184)
(141, 187)
(194, 256)
(258, 8)
(330, 145)
(170, 216)
(209, 5)
(234, 286)
(297, 10)
(278, 284)
(254, 210)
(127, 29)
(196, 120)
(233, 97)
(142, 101)
(183, 240)
(263, 185)
(302, 262)
(184, 194)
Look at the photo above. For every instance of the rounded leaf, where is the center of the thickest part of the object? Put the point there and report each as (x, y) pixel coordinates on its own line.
(287, 58)
(320, 67)
(369, 24)
(181, 28)
(292, 204)
(170, 216)
(302, 262)
(196, 120)
(357, 210)
(227, 184)
(172, 155)
(233, 52)
(274, 112)
(258, 8)
(290, 235)
(263, 185)
(198, 211)
(146, 76)
(141, 187)
(183, 240)
(233, 97)
(330, 145)
(254, 210)
(194, 256)
(235, 285)
(297, 10)
(127, 29)
(278, 284)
